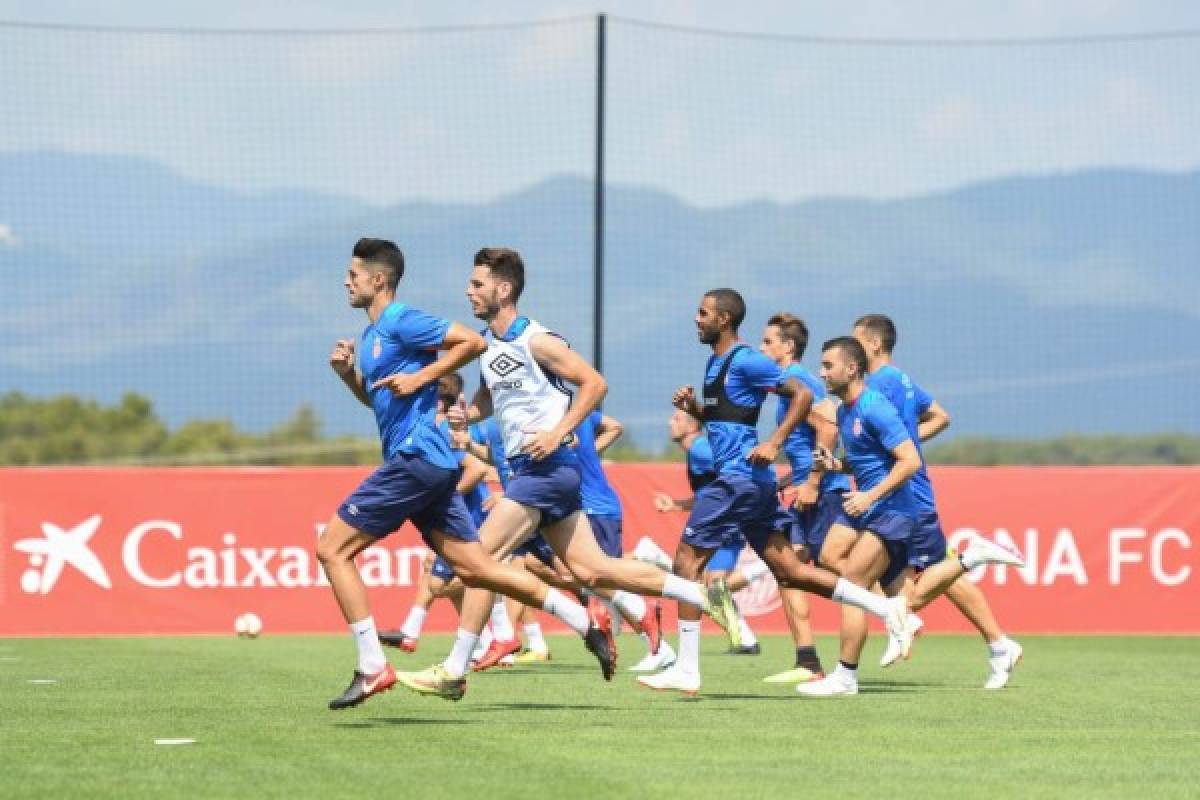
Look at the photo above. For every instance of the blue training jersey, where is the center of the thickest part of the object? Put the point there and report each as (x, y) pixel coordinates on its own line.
(474, 498)
(750, 377)
(800, 443)
(870, 429)
(701, 469)
(488, 433)
(404, 340)
(599, 498)
(911, 401)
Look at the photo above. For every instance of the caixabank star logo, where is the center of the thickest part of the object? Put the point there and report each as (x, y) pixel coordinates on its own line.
(58, 549)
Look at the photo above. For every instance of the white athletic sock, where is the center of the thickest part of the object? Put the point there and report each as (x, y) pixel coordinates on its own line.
(688, 657)
(483, 641)
(501, 625)
(847, 592)
(1000, 646)
(570, 612)
(748, 637)
(460, 655)
(534, 639)
(755, 570)
(412, 626)
(370, 652)
(629, 603)
(845, 674)
(688, 592)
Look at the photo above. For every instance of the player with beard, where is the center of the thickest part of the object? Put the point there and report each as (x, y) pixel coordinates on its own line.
(526, 370)
(742, 499)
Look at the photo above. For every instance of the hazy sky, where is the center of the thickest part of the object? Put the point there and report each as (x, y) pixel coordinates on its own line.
(716, 120)
(868, 18)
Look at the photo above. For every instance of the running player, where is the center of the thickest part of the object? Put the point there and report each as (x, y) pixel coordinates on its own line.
(925, 418)
(818, 495)
(686, 432)
(436, 579)
(880, 515)
(525, 372)
(602, 506)
(395, 375)
(742, 498)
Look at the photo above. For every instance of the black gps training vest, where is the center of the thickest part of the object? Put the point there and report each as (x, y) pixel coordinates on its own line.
(717, 405)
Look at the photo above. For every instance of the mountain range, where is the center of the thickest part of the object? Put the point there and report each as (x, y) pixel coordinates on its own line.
(1028, 305)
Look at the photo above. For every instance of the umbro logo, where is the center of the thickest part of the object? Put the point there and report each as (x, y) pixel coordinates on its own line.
(504, 365)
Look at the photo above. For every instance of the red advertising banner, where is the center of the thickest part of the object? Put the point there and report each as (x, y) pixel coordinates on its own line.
(138, 551)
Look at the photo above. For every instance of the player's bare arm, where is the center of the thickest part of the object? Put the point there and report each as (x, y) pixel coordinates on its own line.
(461, 346)
(798, 408)
(474, 472)
(479, 408)
(342, 362)
(821, 419)
(935, 420)
(665, 503)
(607, 433)
(908, 461)
(555, 357)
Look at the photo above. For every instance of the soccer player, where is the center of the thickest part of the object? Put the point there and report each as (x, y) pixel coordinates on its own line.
(687, 433)
(881, 514)
(742, 497)
(436, 578)
(602, 506)
(925, 418)
(818, 495)
(397, 367)
(525, 372)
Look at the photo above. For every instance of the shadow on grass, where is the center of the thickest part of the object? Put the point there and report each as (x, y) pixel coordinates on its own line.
(378, 722)
(541, 707)
(898, 687)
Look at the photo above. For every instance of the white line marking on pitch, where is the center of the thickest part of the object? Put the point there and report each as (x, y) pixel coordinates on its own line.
(43, 681)
(174, 741)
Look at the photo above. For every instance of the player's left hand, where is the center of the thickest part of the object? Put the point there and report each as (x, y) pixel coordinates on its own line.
(540, 444)
(856, 503)
(763, 455)
(806, 496)
(401, 384)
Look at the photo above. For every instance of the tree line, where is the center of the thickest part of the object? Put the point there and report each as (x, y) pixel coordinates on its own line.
(71, 430)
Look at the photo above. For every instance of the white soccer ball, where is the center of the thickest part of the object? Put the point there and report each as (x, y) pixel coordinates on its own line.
(247, 625)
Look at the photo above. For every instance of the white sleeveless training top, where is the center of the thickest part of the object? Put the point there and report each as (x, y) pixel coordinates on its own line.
(524, 396)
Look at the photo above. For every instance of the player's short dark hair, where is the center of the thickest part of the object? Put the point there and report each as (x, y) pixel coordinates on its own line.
(506, 265)
(456, 379)
(852, 349)
(383, 254)
(882, 326)
(729, 302)
(793, 329)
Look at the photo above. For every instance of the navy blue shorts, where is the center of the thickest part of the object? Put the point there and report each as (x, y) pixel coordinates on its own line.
(442, 569)
(894, 528)
(812, 525)
(725, 559)
(538, 546)
(607, 531)
(552, 489)
(928, 545)
(407, 487)
(731, 505)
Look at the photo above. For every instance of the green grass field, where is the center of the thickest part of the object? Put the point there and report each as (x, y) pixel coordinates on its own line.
(1083, 717)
